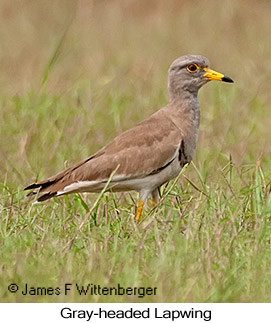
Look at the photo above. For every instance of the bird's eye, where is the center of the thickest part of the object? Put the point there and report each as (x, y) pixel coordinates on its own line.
(192, 67)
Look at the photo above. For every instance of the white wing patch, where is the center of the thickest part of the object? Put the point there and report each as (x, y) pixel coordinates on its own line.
(121, 183)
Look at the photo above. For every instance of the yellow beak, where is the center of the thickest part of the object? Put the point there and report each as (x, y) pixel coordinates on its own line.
(213, 75)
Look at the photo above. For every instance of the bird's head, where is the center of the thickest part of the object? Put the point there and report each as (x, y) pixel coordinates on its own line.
(188, 74)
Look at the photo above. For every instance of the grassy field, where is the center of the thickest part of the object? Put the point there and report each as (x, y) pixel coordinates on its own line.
(74, 74)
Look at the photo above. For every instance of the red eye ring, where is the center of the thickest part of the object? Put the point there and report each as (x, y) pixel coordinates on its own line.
(192, 67)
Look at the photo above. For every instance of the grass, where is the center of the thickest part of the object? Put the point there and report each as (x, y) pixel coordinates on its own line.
(73, 83)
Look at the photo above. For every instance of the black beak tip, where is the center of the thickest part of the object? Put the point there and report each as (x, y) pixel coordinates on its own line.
(227, 79)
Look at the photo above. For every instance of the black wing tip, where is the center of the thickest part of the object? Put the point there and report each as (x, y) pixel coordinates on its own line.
(32, 186)
(46, 196)
(31, 193)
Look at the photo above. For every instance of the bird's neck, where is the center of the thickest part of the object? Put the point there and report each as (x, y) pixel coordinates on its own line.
(185, 111)
(186, 104)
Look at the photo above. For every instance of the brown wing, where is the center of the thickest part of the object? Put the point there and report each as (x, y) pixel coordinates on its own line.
(137, 152)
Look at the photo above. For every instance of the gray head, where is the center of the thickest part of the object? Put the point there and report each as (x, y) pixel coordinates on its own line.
(188, 73)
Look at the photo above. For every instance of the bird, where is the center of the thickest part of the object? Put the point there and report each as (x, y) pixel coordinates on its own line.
(150, 154)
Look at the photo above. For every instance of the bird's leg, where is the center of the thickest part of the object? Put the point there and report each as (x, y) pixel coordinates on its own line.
(139, 210)
(153, 202)
(143, 196)
(155, 197)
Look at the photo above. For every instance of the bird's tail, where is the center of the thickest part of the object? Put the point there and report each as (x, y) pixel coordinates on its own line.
(54, 185)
